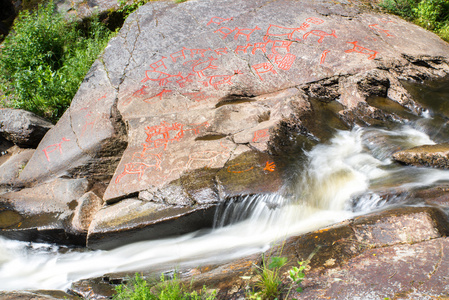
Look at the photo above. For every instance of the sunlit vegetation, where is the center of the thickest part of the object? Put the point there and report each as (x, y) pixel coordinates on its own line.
(430, 14)
(45, 58)
(164, 289)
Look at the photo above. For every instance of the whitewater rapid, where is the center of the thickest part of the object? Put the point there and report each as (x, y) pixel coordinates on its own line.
(340, 179)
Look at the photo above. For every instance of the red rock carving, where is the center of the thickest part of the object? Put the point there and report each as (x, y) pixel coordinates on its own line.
(207, 156)
(281, 44)
(199, 51)
(164, 91)
(216, 80)
(197, 96)
(387, 21)
(88, 124)
(196, 128)
(158, 64)
(319, 33)
(179, 54)
(138, 168)
(315, 20)
(261, 134)
(323, 56)
(161, 77)
(281, 31)
(199, 66)
(269, 166)
(135, 94)
(377, 28)
(242, 48)
(230, 169)
(163, 136)
(221, 51)
(369, 38)
(239, 31)
(218, 20)
(52, 148)
(102, 97)
(264, 68)
(184, 80)
(261, 46)
(359, 49)
(285, 62)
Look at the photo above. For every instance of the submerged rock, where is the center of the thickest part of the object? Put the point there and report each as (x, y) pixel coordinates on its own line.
(436, 156)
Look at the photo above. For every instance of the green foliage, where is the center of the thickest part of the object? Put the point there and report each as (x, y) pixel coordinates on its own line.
(269, 284)
(127, 9)
(139, 289)
(45, 58)
(430, 14)
(297, 274)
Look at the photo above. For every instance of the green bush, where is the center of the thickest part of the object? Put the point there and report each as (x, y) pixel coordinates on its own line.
(139, 289)
(45, 58)
(430, 14)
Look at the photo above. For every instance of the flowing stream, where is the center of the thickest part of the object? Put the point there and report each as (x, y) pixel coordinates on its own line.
(347, 176)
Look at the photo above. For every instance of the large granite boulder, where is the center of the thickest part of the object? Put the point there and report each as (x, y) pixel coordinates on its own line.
(192, 104)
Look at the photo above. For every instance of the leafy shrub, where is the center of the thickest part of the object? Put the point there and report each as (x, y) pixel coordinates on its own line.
(430, 14)
(45, 58)
(139, 289)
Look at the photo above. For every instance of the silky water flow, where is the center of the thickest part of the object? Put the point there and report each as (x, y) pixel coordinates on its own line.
(339, 180)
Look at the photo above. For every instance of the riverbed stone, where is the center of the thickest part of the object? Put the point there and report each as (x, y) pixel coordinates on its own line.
(88, 205)
(133, 220)
(22, 127)
(436, 156)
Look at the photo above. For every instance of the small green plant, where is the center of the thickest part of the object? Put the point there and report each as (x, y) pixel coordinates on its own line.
(45, 58)
(269, 284)
(297, 275)
(140, 289)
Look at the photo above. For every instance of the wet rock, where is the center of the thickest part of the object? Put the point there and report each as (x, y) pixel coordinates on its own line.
(37, 295)
(134, 220)
(93, 289)
(436, 156)
(438, 196)
(23, 128)
(405, 271)
(88, 205)
(44, 213)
